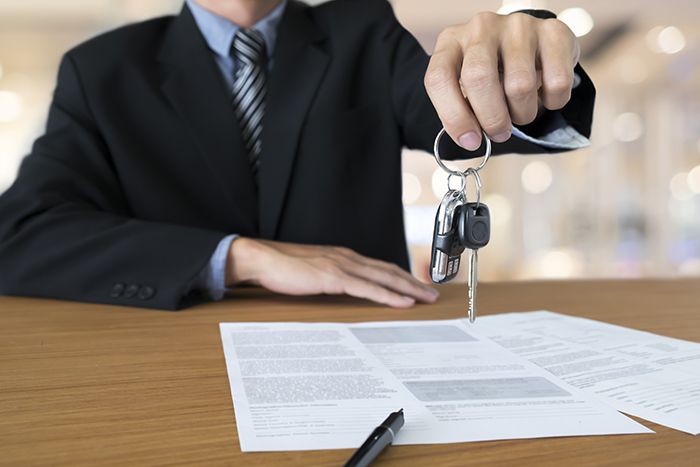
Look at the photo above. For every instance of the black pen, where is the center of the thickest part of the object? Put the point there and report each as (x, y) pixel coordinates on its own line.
(381, 437)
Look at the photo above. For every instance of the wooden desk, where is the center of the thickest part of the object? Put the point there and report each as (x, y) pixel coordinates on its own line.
(99, 385)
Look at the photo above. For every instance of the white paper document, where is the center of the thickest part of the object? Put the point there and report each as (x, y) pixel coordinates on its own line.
(302, 386)
(643, 374)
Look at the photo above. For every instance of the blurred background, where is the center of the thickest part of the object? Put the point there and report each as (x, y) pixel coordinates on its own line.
(628, 206)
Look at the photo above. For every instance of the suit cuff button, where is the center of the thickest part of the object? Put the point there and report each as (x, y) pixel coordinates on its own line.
(117, 290)
(146, 292)
(131, 290)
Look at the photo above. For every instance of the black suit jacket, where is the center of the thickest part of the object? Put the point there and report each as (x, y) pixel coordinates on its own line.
(141, 171)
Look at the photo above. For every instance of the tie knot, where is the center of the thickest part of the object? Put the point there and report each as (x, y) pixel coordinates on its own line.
(249, 46)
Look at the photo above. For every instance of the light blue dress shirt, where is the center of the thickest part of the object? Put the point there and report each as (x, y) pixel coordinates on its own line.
(218, 32)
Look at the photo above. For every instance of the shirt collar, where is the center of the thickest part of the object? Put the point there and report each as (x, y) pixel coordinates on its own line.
(218, 32)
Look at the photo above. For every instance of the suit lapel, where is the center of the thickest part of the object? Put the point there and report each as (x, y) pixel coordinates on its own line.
(193, 86)
(299, 65)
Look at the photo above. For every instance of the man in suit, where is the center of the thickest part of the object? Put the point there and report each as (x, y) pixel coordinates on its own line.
(258, 141)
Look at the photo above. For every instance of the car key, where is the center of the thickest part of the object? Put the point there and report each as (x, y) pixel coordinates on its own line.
(447, 247)
(474, 226)
(460, 225)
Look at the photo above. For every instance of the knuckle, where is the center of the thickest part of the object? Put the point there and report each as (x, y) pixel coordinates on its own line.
(452, 120)
(555, 27)
(559, 83)
(495, 123)
(481, 25)
(520, 85)
(485, 18)
(437, 77)
(447, 34)
(557, 90)
(521, 18)
(477, 75)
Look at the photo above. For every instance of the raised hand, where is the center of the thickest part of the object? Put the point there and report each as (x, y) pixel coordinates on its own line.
(497, 70)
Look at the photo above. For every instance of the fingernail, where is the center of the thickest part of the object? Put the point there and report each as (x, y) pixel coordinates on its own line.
(408, 301)
(434, 292)
(470, 141)
(501, 137)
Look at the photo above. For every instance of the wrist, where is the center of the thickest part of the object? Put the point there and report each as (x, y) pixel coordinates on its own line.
(242, 263)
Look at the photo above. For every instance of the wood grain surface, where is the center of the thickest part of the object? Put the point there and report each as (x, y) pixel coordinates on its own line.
(85, 384)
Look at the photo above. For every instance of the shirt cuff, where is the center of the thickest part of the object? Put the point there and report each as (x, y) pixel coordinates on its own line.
(551, 130)
(212, 279)
(558, 135)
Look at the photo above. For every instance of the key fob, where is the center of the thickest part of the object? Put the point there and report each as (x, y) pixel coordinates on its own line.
(474, 225)
(447, 246)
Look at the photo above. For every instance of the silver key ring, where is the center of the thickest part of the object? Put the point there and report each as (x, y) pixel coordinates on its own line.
(436, 153)
(462, 181)
(477, 183)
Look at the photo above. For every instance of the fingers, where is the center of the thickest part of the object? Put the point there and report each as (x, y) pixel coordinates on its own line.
(362, 288)
(520, 82)
(482, 86)
(427, 293)
(389, 276)
(464, 83)
(558, 51)
(443, 88)
(312, 269)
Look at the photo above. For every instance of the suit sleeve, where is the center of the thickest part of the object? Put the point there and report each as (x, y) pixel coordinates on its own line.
(65, 227)
(419, 123)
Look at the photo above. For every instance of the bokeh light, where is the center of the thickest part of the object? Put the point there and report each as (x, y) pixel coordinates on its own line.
(667, 40)
(536, 177)
(509, 6)
(671, 40)
(679, 187)
(693, 179)
(579, 20)
(628, 127)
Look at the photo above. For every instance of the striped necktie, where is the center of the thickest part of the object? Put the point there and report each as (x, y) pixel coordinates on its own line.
(249, 89)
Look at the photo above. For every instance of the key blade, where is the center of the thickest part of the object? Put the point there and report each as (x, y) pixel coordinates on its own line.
(471, 293)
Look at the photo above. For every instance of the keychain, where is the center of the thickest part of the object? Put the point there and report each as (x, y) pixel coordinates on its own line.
(459, 225)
